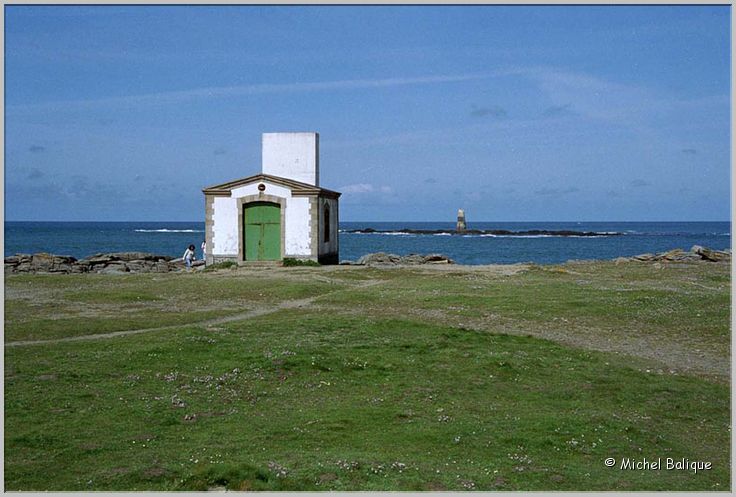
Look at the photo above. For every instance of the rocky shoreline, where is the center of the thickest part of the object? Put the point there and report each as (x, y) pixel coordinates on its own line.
(383, 259)
(696, 253)
(113, 263)
(141, 262)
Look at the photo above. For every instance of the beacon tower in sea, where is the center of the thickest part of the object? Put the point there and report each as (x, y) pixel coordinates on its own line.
(461, 220)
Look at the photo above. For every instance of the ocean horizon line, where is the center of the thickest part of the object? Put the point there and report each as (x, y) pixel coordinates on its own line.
(374, 221)
(544, 242)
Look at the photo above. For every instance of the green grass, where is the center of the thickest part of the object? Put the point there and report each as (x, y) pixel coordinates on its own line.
(291, 262)
(221, 265)
(45, 307)
(687, 303)
(352, 394)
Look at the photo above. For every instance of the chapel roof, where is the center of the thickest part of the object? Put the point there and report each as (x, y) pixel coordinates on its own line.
(297, 187)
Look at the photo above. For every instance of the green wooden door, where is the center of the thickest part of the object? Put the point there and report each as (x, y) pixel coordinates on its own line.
(262, 230)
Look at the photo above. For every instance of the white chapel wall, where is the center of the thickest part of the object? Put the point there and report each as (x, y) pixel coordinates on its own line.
(297, 240)
(224, 226)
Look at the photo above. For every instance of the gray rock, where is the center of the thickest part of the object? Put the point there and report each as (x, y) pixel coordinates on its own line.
(672, 255)
(137, 256)
(160, 267)
(713, 255)
(61, 268)
(437, 259)
(42, 262)
(23, 267)
(696, 253)
(113, 268)
(412, 259)
(99, 259)
(138, 266)
(383, 259)
(644, 257)
(18, 259)
(53, 263)
(64, 259)
(379, 258)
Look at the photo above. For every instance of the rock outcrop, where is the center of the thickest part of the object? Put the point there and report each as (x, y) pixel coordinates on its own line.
(114, 263)
(41, 262)
(383, 259)
(142, 262)
(712, 255)
(696, 253)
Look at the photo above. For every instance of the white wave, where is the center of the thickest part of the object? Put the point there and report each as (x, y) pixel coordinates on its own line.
(528, 236)
(598, 234)
(166, 230)
(540, 236)
(490, 235)
(387, 233)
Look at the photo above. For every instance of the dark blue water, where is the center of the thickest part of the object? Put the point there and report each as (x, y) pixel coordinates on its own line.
(171, 238)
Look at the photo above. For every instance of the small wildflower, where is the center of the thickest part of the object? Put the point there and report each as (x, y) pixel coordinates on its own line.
(278, 469)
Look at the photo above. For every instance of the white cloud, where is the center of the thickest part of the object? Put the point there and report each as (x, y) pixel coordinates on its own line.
(178, 96)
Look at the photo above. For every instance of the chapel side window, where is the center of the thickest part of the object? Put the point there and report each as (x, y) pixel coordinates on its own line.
(326, 227)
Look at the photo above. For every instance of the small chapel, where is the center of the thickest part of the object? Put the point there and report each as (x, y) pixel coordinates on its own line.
(280, 213)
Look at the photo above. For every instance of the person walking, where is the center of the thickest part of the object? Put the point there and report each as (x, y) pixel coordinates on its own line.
(204, 250)
(188, 256)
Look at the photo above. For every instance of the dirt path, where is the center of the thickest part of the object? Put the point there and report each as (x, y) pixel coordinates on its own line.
(667, 356)
(290, 304)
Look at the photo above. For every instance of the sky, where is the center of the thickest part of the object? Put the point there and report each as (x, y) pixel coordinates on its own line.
(513, 113)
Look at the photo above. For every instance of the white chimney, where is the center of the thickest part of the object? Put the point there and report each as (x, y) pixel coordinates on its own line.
(291, 155)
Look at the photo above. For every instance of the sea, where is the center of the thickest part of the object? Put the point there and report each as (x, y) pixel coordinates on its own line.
(617, 239)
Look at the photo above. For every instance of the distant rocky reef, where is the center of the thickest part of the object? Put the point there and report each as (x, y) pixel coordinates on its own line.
(114, 263)
(530, 233)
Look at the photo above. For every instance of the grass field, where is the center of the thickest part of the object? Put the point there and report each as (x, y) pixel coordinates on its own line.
(352, 378)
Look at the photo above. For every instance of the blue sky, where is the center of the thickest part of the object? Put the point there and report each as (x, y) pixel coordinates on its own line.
(513, 113)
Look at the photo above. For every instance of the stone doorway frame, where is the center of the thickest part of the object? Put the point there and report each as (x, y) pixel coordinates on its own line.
(242, 204)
